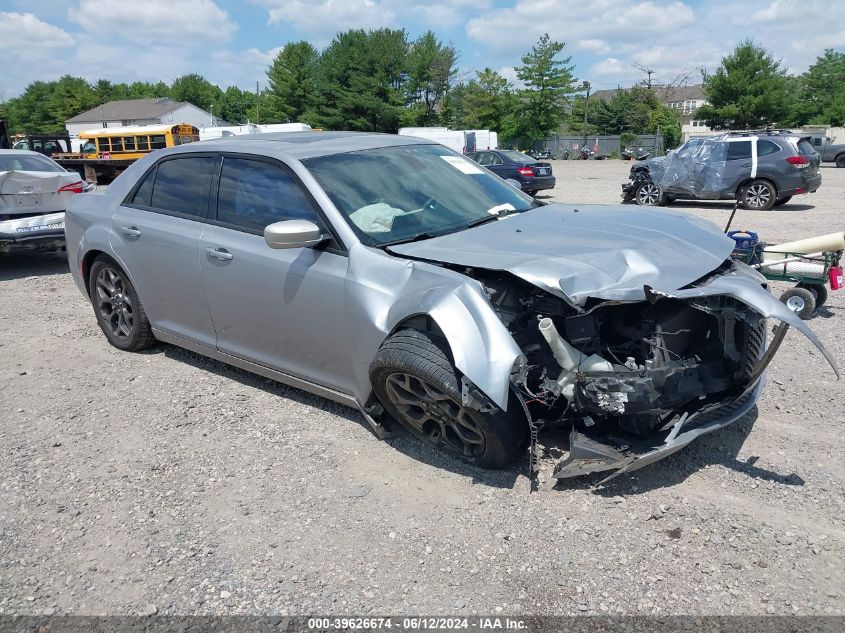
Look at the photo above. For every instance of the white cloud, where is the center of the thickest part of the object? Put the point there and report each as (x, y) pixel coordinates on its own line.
(600, 47)
(157, 22)
(519, 26)
(609, 67)
(25, 31)
(324, 19)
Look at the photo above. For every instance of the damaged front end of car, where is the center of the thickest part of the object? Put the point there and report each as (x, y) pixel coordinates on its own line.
(635, 381)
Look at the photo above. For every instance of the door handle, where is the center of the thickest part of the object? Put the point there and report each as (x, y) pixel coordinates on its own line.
(219, 253)
(130, 231)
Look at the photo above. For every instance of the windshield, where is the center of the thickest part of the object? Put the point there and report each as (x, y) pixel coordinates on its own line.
(27, 162)
(396, 194)
(518, 157)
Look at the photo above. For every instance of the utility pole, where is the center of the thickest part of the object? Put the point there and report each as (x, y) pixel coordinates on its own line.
(257, 106)
(211, 107)
(648, 71)
(585, 86)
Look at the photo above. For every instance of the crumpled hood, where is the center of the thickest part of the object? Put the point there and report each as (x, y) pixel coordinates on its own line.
(580, 251)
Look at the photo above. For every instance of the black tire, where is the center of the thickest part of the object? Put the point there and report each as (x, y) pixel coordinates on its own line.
(532, 192)
(649, 194)
(819, 292)
(758, 195)
(782, 201)
(117, 307)
(840, 160)
(417, 384)
(800, 301)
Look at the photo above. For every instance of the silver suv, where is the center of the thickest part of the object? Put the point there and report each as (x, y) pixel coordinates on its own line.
(759, 169)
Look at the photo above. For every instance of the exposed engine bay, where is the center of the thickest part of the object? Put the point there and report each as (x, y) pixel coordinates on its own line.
(628, 373)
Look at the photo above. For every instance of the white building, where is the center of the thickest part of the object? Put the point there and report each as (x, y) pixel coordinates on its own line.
(158, 111)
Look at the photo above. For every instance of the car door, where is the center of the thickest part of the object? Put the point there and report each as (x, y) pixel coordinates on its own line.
(739, 165)
(155, 235)
(281, 308)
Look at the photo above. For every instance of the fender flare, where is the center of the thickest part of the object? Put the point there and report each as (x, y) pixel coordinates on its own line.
(482, 348)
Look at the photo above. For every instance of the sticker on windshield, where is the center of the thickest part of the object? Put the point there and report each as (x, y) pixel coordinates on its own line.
(462, 164)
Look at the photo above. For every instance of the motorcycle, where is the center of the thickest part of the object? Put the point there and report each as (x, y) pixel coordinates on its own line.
(585, 153)
(635, 153)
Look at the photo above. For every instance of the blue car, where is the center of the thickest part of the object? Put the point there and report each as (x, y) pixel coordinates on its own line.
(532, 175)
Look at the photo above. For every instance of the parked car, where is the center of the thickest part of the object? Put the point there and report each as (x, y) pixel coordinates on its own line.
(532, 175)
(34, 193)
(829, 151)
(47, 144)
(398, 277)
(760, 169)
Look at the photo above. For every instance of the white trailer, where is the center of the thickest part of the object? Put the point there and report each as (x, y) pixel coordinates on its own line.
(227, 130)
(284, 127)
(453, 139)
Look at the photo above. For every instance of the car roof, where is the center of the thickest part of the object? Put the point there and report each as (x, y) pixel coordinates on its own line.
(301, 145)
(18, 152)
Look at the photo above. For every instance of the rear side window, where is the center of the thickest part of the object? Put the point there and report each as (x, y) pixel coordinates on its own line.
(182, 185)
(767, 147)
(254, 194)
(737, 150)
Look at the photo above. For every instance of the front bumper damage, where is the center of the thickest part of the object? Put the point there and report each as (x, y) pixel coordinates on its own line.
(45, 232)
(592, 454)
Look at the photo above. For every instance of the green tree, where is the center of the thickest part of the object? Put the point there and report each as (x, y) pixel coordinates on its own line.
(236, 106)
(293, 84)
(430, 73)
(195, 89)
(748, 90)
(819, 88)
(488, 102)
(361, 77)
(548, 84)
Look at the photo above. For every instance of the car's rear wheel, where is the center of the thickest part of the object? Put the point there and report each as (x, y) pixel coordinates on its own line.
(758, 195)
(649, 194)
(532, 192)
(117, 306)
(840, 160)
(418, 385)
(800, 301)
(782, 201)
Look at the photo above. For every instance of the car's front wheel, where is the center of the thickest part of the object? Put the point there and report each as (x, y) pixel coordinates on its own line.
(649, 195)
(758, 195)
(117, 306)
(418, 385)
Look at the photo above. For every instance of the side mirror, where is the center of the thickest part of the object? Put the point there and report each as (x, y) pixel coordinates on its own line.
(293, 234)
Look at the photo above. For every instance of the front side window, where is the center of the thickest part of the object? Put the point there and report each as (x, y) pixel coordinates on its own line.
(738, 150)
(254, 194)
(182, 185)
(394, 194)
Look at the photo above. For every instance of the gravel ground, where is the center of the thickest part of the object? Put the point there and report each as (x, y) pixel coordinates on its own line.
(164, 482)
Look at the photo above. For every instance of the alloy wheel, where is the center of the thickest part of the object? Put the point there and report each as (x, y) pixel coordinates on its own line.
(114, 303)
(434, 415)
(648, 194)
(758, 196)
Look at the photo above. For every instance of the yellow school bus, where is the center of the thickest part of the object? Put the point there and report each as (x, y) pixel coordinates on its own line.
(135, 141)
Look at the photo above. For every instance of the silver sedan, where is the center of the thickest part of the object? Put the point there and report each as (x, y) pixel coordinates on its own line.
(398, 277)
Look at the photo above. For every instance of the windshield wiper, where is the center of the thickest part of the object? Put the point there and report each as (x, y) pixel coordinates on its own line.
(413, 238)
(493, 216)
